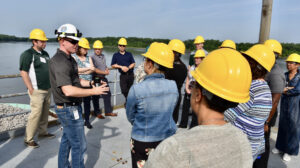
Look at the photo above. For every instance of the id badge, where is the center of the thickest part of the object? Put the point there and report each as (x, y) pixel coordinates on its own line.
(43, 60)
(75, 113)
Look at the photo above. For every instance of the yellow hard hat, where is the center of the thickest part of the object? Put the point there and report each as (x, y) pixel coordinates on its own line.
(263, 55)
(228, 44)
(199, 39)
(293, 58)
(177, 45)
(38, 34)
(225, 73)
(98, 44)
(274, 45)
(84, 43)
(160, 53)
(122, 41)
(199, 54)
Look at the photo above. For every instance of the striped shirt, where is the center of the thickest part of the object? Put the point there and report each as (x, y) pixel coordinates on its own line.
(251, 116)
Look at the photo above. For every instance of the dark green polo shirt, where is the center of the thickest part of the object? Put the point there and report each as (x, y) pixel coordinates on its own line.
(36, 64)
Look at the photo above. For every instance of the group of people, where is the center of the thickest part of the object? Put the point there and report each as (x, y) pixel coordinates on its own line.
(233, 97)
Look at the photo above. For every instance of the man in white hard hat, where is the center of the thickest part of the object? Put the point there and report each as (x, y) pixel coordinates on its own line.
(67, 94)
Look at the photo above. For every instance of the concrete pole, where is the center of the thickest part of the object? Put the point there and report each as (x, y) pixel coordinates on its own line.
(265, 22)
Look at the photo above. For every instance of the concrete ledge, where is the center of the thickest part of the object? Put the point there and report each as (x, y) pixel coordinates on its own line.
(53, 122)
(21, 131)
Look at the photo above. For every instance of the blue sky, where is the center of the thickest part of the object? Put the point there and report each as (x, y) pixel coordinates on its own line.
(238, 20)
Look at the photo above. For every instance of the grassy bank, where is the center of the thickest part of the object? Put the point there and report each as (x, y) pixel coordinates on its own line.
(135, 42)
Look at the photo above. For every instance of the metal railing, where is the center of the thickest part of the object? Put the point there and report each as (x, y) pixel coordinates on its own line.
(114, 93)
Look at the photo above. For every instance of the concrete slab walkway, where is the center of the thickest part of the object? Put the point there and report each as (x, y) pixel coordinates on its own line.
(108, 146)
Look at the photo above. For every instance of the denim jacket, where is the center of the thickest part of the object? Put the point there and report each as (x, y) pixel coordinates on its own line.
(149, 108)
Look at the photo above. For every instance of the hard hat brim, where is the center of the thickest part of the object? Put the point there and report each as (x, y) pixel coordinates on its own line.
(74, 38)
(157, 61)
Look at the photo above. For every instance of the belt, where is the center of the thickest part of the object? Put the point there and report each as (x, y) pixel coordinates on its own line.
(68, 104)
(126, 73)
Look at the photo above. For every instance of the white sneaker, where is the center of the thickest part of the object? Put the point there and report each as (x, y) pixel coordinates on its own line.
(286, 157)
(275, 151)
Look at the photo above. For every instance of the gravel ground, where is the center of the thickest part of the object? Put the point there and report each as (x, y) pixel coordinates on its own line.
(13, 122)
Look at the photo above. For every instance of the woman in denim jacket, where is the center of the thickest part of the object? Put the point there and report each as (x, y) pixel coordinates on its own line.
(150, 104)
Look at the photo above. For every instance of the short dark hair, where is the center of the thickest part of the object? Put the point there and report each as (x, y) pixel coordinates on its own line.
(33, 41)
(258, 71)
(176, 53)
(215, 102)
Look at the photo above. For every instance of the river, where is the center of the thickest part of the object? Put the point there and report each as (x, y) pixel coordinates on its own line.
(10, 54)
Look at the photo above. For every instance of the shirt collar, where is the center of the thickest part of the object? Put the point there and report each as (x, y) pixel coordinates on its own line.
(34, 51)
(155, 75)
(101, 55)
(63, 53)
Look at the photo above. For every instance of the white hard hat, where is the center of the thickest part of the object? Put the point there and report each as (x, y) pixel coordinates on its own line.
(68, 31)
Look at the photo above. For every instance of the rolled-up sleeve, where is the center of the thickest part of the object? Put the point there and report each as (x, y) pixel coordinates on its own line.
(295, 91)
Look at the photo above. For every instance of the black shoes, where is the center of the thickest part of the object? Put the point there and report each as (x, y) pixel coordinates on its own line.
(88, 125)
(32, 144)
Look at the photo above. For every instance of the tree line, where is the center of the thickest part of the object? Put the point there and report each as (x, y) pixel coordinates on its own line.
(209, 45)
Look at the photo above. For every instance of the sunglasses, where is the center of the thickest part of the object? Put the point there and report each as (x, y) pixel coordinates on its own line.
(122, 45)
(74, 42)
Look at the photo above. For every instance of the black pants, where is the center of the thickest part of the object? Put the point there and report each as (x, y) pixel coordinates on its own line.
(106, 100)
(87, 108)
(186, 111)
(176, 110)
(262, 162)
(126, 81)
(140, 151)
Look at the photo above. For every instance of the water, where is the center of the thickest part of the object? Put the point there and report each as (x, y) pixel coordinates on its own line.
(10, 54)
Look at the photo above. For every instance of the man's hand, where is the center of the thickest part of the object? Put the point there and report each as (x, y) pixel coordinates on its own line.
(106, 71)
(27, 81)
(124, 68)
(31, 91)
(103, 89)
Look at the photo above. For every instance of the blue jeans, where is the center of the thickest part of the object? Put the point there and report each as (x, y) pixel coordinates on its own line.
(73, 137)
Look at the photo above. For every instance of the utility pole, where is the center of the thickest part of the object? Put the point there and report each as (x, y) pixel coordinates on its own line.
(265, 22)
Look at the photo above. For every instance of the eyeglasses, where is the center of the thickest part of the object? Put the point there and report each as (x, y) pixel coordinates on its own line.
(74, 42)
(122, 45)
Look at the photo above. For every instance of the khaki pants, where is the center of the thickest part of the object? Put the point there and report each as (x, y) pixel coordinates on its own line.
(38, 118)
